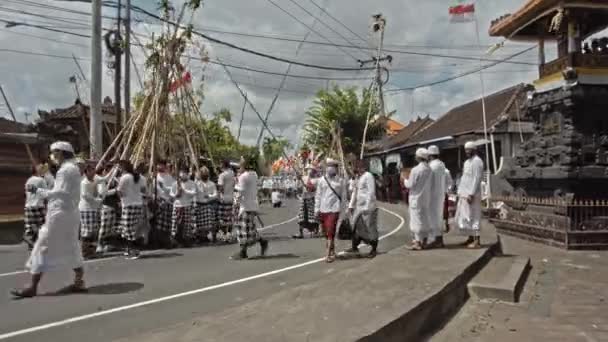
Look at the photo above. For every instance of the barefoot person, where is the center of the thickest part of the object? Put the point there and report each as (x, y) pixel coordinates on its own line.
(330, 196)
(306, 216)
(441, 181)
(419, 186)
(468, 209)
(35, 209)
(364, 211)
(58, 246)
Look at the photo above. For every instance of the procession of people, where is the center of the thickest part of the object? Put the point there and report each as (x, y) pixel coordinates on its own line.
(84, 210)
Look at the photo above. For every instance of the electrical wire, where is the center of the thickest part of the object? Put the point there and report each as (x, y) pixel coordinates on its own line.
(43, 38)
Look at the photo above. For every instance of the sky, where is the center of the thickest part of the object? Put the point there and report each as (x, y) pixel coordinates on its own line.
(34, 82)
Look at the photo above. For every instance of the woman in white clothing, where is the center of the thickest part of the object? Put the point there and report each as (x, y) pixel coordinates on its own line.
(206, 206)
(35, 209)
(183, 192)
(131, 199)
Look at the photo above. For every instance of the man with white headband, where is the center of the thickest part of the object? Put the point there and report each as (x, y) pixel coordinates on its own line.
(58, 246)
(441, 181)
(419, 185)
(468, 209)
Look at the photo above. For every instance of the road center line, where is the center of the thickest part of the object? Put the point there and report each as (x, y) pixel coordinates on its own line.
(8, 274)
(180, 295)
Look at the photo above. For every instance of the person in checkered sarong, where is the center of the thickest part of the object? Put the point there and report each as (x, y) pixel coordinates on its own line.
(110, 212)
(89, 205)
(182, 227)
(225, 206)
(206, 202)
(130, 193)
(247, 232)
(306, 216)
(164, 210)
(35, 210)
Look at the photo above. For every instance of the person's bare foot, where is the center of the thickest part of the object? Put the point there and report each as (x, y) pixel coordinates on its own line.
(416, 246)
(469, 241)
(474, 245)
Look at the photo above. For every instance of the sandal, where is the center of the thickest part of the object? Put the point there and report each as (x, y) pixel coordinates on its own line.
(77, 287)
(416, 246)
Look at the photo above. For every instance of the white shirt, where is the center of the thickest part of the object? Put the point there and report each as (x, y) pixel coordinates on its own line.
(248, 189)
(326, 201)
(164, 183)
(50, 180)
(276, 197)
(89, 196)
(268, 184)
(206, 191)
(186, 198)
(419, 185)
(364, 195)
(307, 180)
(226, 181)
(472, 175)
(34, 200)
(129, 190)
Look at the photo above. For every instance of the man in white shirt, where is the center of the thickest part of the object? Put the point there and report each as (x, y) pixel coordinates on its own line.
(440, 184)
(276, 198)
(164, 183)
(89, 205)
(35, 209)
(330, 201)
(182, 225)
(364, 210)
(468, 209)
(225, 186)
(247, 187)
(419, 186)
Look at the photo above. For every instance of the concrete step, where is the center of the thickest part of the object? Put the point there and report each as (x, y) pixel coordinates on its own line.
(502, 278)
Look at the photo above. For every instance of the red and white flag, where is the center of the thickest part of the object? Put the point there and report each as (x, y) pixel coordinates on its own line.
(462, 12)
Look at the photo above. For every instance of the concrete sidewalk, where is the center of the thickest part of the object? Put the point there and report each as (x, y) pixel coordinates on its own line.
(565, 299)
(399, 296)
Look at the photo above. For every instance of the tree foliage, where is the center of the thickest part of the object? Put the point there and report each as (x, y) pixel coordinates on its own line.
(344, 108)
(273, 148)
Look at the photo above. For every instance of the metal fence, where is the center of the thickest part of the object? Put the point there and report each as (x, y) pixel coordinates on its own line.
(565, 222)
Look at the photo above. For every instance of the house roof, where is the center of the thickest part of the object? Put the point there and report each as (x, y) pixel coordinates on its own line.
(468, 118)
(76, 111)
(531, 19)
(10, 126)
(408, 131)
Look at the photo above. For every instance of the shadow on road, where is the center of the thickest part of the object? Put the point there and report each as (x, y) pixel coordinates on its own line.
(160, 255)
(275, 256)
(104, 289)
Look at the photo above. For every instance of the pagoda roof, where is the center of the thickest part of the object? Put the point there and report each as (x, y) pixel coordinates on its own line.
(534, 18)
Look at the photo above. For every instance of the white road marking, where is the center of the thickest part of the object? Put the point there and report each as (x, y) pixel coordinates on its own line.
(182, 294)
(148, 252)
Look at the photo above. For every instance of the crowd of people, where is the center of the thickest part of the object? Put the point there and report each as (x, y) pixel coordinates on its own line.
(115, 206)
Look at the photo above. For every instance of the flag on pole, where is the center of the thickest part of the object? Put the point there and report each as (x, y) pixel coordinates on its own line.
(462, 12)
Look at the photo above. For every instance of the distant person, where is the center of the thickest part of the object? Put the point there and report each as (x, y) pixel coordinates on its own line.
(164, 183)
(132, 206)
(183, 193)
(58, 246)
(419, 187)
(364, 211)
(468, 209)
(206, 206)
(35, 209)
(277, 198)
(440, 184)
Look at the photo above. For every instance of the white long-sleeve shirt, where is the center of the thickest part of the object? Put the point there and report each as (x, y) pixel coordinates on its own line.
(419, 185)
(130, 192)
(248, 189)
(89, 195)
(326, 201)
(206, 191)
(472, 175)
(364, 195)
(32, 198)
(186, 197)
(164, 183)
(227, 181)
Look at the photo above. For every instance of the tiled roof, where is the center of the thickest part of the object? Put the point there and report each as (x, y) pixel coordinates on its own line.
(76, 111)
(407, 132)
(10, 126)
(469, 116)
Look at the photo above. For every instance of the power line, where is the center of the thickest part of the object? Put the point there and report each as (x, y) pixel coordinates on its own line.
(336, 20)
(463, 74)
(44, 38)
(312, 29)
(45, 28)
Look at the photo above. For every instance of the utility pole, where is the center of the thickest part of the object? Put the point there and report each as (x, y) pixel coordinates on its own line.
(118, 69)
(95, 117)
(127, 64)
(378, 25)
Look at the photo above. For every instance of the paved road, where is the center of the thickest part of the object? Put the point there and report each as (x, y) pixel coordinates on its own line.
(163, 288)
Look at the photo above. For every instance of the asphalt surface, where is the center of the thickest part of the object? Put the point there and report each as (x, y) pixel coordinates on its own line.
(128, 297)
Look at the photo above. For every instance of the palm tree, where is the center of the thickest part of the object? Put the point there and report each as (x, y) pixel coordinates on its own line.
(273, 148)
(344, 109)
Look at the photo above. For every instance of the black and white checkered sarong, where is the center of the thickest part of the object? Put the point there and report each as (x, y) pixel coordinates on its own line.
(247, 233)
(225, 215)
(109, 223)
(182, 222)
(89, 224)
(164, 216)
(130, 220)
(306, 215)
(206, 219)
(33, 219)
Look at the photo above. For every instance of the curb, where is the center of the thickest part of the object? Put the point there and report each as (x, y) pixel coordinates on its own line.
(436, 310)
